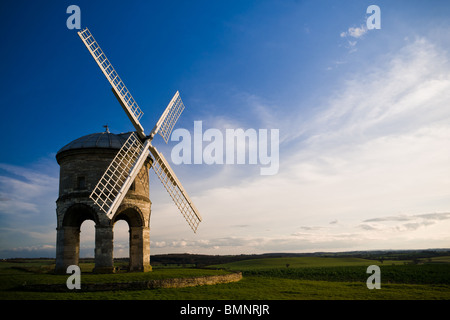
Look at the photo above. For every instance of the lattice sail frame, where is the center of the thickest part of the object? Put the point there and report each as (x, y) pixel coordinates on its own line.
(175, 189)
(120, 174)
(170, 116)
(127, 101)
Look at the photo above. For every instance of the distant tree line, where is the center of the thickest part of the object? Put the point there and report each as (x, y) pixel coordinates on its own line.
(200, 260)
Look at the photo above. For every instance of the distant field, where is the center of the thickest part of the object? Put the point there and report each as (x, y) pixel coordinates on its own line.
(344, 269)
(299, 262)
(444, 259)
(268, 278)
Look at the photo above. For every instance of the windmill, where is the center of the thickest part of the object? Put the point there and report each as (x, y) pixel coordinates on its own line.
(120, 174)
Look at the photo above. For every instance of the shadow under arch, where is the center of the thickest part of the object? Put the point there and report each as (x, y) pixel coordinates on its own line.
(77, 214)
(139, 237)
(131, 214)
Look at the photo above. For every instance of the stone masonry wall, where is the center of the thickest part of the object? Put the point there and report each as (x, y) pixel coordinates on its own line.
(140, 285)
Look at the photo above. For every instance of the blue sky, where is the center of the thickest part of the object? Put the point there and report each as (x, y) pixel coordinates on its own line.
(363, 115)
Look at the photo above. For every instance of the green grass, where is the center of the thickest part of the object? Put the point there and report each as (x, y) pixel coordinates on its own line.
(402, 274)
(344, 269)
(305, 278)
(14, 275)
(299, 262)
(443, 259)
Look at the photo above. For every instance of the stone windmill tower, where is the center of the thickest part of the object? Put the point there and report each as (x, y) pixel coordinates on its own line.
(82, 163)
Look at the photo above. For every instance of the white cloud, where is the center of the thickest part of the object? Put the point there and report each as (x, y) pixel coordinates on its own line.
(425, 216)
(25, 190)
(27, 206)
(354, 33)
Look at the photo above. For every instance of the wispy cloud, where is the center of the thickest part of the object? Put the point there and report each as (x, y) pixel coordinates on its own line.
(27, 207)
(404, 223)
(33, 251)
(353, 35)
(425, 216)
(354, 32)
(23, 190)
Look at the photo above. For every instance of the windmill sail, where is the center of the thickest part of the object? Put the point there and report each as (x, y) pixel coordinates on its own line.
(125, 98)
(167, 121)
(118, 177)
(175, 189)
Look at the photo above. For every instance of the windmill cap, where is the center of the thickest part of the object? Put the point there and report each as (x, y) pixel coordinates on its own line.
(100, 140)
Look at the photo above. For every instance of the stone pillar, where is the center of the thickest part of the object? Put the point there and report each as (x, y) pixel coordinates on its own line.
(104, 262)
(59, 264)
(140, 249)
(146, 249)
(67, 248)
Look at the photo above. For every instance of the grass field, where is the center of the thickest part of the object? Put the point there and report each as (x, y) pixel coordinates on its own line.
(300, 262)
(269, 279)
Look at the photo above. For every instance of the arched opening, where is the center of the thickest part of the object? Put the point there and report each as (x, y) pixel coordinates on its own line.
(68, 235)
(121, 244)
(132, 215)
(130, 219)
(87, 239)
(77, 214)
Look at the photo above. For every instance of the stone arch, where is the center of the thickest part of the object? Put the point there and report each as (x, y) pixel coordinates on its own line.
(77, 214)
(68, 235)
(68, 238)
(131, 214)
(139, 236)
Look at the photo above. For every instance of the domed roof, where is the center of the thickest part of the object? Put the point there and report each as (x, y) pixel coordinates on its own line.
(106, 140)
